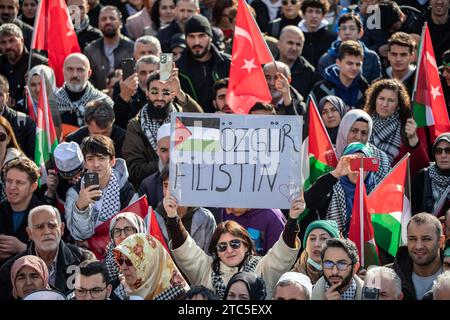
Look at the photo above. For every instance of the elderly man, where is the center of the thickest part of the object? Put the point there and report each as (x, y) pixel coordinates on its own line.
(77, 91)
(293, 286)
(441, 287)
(106, 53)
(140, 145)
(15, 58)
(45, 230)
(382, 283)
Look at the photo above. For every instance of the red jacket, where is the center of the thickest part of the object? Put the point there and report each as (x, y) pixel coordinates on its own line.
(419, 154)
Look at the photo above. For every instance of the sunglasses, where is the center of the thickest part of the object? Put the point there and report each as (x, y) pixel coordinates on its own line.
(121, 260)
(3, 136)
(340, 265)
(436, 151)
(285, 3)
(164, 92)
(234, 244)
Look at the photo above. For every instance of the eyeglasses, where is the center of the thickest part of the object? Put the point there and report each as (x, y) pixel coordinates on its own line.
(286, 2)
(340, 265)
(164, 92)
(436, 151)
(94, 292)
(123, 260)
(234, 244)
(3, 136)
(127, 231)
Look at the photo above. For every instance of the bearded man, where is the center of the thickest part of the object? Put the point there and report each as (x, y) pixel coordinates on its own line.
(140, 144)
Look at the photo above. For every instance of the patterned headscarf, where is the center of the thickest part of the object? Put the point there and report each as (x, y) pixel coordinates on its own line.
(155, 269)
(33, 262)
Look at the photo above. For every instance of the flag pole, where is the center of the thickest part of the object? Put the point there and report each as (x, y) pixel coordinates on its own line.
(361, 210)
(419, 61)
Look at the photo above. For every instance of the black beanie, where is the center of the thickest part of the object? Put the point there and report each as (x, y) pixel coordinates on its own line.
(388, 14)
(198, 23)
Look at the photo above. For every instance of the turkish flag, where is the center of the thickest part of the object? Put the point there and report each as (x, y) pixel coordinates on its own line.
(247, 83)
(54, 33)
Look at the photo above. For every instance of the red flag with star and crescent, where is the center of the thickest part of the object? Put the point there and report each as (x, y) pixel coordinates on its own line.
(247, 83)
(429, 107)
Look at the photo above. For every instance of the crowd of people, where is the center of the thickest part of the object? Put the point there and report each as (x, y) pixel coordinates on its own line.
(117, 129)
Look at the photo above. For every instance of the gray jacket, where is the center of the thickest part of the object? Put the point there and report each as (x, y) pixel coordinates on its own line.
(95, 52)
(80, 223)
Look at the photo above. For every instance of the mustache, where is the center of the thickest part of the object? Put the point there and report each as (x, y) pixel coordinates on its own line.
(197, 47)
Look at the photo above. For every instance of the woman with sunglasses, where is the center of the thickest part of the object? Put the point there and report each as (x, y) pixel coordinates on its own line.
(9, 150)
(122, 226)
(291, 15)
(148, 270)
(431, 186)
(231, 251)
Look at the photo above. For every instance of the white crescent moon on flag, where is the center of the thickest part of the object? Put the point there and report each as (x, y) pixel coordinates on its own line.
(243, 33)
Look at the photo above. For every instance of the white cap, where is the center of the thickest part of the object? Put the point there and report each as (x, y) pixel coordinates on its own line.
(299, 278)
(68, 158)
(163, 131)
(45, 295)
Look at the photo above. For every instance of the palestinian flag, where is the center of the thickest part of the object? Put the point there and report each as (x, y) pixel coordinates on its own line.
(29, 104)
(362, 233)
(390, 208)
(429, 106)
(195, 134)
(319, 156)
(46, 140)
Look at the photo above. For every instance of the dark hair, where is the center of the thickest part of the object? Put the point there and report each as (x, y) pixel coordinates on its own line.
(218, 8)
(164, 175)
(98, 145)
(263, 107)
(152, 77)
(25, 165)
(203, 291)
(402, 39)
(10, 133)
(350, 48)
(321, 4)
(346, 244)
(91, 267)
(426, 218)
(4, 82)
(351, 16)
(100, 112)
(220, 84)
(154, 14)
(446, 57)
(404, 103)
(113, 8)
(237, 231)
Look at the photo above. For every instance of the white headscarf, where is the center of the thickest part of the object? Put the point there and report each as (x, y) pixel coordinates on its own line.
(346, 124)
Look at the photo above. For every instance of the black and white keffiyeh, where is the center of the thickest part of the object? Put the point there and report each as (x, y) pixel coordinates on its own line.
(440, 186)
(150, 125)
(349, 294)
(109, 203)
(386, 135)
(384, 166)
(217, 280)
(64, 104)
(2, 190)
(337, 208)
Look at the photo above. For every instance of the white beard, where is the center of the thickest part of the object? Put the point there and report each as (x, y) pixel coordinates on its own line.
(76, 87)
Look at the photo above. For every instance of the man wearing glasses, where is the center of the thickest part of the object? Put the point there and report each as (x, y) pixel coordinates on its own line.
(91, 283)
(140, 144)
(339, 280)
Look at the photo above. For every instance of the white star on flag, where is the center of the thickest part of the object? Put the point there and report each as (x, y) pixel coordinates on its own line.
(249, 65)
(435, 92)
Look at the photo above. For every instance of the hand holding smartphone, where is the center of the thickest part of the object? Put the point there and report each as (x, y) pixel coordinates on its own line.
(165, 66)
(91, 178)
(368, 164)
(127, 66)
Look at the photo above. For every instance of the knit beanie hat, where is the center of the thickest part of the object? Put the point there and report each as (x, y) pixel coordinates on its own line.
(198, 23)
(329, 226)
(442, 137)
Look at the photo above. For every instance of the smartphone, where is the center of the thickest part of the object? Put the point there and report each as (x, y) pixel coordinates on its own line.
(91, 178)
(165, 65)
(127, 66)
(370, 293)
(368, 164)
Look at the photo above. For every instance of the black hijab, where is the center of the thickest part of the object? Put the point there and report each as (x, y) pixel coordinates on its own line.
(255, 285)
(341, 107)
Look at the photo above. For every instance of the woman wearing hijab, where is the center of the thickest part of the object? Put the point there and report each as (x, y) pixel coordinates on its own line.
(310, 261)
(28, 274)
(431, 186)
(245, 286)
(147, 269)
(394, 130)
(122, 226)
(332, 194)
(356, 126)
(332, 109)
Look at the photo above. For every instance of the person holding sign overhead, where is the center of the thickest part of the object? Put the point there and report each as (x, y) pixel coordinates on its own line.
(232, 251)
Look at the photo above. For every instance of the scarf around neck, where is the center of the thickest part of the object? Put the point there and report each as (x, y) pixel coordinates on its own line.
(386, 135)
(440, 187)
(150, 125)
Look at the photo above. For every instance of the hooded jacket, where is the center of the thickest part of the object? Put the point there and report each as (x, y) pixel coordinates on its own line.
(371, 68)
(353, 95)
(80, 222)
(316, 43)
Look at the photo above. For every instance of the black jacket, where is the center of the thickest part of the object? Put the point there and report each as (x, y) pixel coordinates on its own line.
(6, 221)
(117, 136)
(69, 257)
(262, 15)
(276, 25)
(15, 73)
(24, 129)
(87, 36)
(153, 188)
(316, 44)
(165, 34)
(304, 76)
(197, 78)
(125, 111)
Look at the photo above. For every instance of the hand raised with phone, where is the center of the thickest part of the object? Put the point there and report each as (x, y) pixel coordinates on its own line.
(89, 192)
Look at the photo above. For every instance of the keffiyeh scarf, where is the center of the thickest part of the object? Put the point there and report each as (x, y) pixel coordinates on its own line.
(150, 125)
(386, 135)
(109, 203)
(349, 294)
(440, 187)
